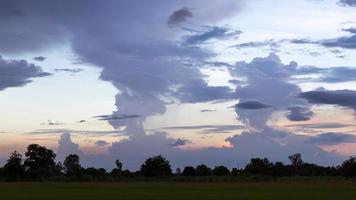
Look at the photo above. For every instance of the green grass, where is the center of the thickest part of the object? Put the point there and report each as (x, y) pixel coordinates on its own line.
(286, 190)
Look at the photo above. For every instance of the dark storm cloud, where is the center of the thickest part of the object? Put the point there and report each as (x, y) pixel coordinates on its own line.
(180, 16)
(332, 138)
(17, 73)
(39, 58)
(345, 98)
(252, 105)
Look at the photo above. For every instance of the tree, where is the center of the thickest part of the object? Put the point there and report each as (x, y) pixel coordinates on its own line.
(296, 162)
(13, 168)
(203, 170)
(279, 169)
(348, 167)
(156, 166)
(235, 172)
(118, 165)
(259, 166)
(118, 170)
(72, 165)
(189, 171)
(221, 171)
(39, 161)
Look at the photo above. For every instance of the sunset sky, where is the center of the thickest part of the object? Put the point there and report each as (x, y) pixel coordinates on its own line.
(215, 82)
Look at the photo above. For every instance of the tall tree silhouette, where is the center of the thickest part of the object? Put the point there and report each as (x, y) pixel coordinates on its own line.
(13, 167)
(39, 161)
(72, 165)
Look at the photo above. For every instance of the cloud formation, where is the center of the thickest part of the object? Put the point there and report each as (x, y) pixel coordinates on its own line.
(345, 98)
(332, 138)
(252, 105)
(180, 16)
(17, 73)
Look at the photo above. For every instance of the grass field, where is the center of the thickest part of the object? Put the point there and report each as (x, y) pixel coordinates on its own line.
(182, 191)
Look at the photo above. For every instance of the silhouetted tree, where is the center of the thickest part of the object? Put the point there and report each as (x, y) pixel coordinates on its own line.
(221, 171)
(189, 171)
(118, 170)
(39, 161)
(279, 169)
(235, 172)
(259, 166)
(202, 170)
(118, 165)
(94, 172)
(59, 169)
(296, 162)
(72, 165)
(13, 169)
(348, 167)
(156, 166)
(178, 171)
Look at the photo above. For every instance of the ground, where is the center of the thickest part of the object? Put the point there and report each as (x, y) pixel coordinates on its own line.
(177, 190)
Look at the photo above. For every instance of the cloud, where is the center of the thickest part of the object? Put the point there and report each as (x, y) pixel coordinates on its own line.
(17, 73)
(298, 113)
(180, 142)
(51, 123)
(252, 105)
(345, 98)
(328, 75)
(351, 3)
(66, 147)
(101, 143)
(265, 80)
(207, 110)
(267, 43)
(39, 58)
(116, 117)
(77, 70)
(243, 147)
(320, 125)
(207, 129)
(332, 138)
(212, 32)
(350, 30)
(180, 16)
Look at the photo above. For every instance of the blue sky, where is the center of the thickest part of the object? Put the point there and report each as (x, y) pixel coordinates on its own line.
(213, 83)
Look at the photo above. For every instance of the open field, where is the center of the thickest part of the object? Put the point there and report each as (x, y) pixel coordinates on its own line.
(173, 190)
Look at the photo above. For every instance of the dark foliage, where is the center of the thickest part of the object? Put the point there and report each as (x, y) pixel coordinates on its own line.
(202, 170)
(39, 164)
(221, 171)
(156, 166)
(189, 171)
(39, 161)
(72, 165)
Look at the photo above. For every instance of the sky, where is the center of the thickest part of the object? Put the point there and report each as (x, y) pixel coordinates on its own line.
(215, 83)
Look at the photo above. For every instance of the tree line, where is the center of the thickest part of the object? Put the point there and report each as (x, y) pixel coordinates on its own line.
(39, 164)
